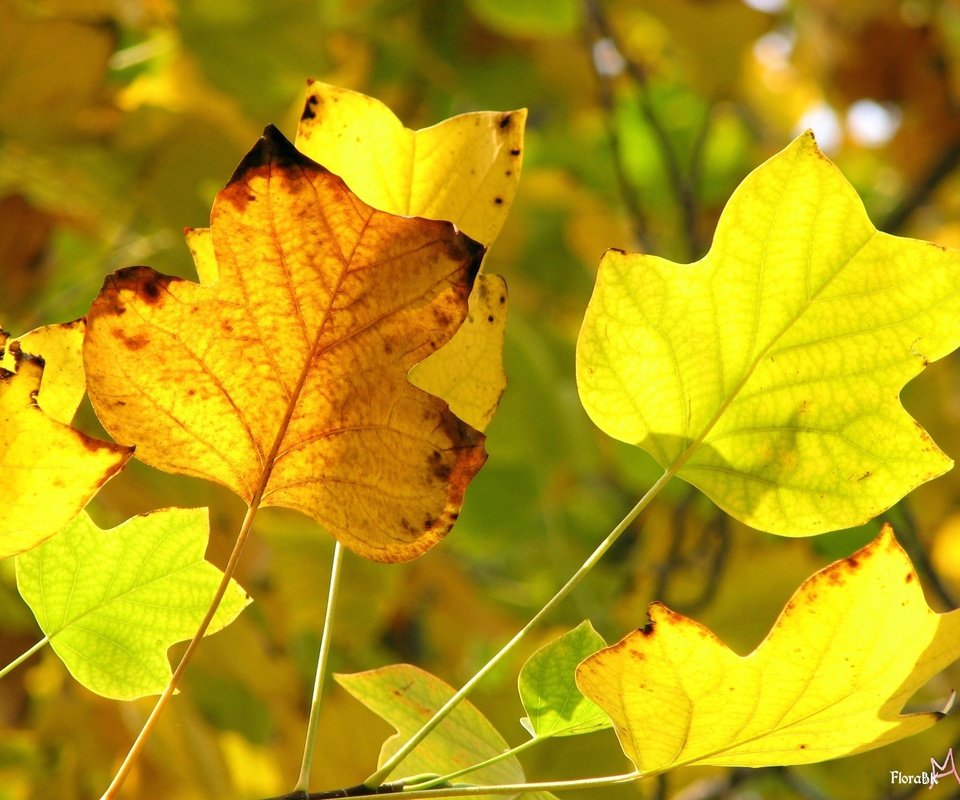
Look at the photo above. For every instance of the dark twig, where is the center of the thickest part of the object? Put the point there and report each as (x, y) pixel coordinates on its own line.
(628, 192)
(683, 188)
(915, 199)
(905, 528)
(360, 790)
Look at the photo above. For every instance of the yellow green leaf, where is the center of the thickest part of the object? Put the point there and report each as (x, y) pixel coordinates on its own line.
(285, 378)
(48, 470)
(112, 602)
(851, 647)
(554, 704)
(406, 697)
(465, 170)
(468, 371)
(767, 374)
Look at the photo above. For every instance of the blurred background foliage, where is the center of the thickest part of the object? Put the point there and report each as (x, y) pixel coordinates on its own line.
(120, 119)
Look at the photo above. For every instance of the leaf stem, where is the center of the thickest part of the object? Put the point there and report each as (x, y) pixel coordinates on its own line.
(309, 746)
(441, 779)
(23, 657)
(391, 764)
(397, 791)
(116, 784)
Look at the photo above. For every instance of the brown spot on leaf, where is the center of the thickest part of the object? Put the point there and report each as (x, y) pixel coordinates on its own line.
(490, 318)
(909, 577)
(505, 121)
(515, 151)
(136, 342)
(498, 201)
(273, 150)
(465, 250)
(309, 108)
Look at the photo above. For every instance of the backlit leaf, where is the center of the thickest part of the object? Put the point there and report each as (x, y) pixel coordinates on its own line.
(406, 697)
(48, 470)
(468, 371)
(465, 170)
(64, 384)
(112, 602)
(767, 374)
(548, 688)
(849, 650)
(285, 378)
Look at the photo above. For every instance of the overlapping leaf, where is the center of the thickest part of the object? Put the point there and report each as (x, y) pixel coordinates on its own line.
(849, 650)
(285, 378)
(112, 602)
(466, 170)
(48, 470)
(406, 697)
(548, 689)
(767, 374)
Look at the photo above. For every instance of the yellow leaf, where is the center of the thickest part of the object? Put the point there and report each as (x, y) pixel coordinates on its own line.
(468, 371)
(64, 384)
(48, 471)
(285, 379)
(851, 647)
(465, 170)
(767, 374)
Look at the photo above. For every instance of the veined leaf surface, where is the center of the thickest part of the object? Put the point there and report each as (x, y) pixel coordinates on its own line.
(285, 378)
(554, 704)
(466, 170)
(406, 697)
(112, 602)
(767, 374)
(849, 650)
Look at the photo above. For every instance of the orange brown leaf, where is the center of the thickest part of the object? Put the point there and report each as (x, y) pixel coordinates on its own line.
(283, 378)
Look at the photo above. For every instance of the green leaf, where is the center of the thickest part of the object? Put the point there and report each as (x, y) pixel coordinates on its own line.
(112, 602)
(548, 687)
(407, 697)
(767, 374)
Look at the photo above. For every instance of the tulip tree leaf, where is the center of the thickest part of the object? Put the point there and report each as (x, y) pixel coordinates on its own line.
(406, 697)
(466, 170)
(48, 470)
(554, 704)
(767, 374)
(831, 679)
(112, 602)
(282, 376)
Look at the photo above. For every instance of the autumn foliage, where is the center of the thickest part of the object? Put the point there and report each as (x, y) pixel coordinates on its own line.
(338, 349)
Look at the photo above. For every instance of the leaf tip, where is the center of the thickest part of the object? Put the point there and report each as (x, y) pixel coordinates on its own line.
(272, 149)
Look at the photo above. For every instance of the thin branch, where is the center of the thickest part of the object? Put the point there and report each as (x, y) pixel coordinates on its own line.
(907, 534)
(921, 193)
(404, 750)
(682, 187)
(303, 782)
(628, 192)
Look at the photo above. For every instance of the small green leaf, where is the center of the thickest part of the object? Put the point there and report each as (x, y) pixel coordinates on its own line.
(554, 704)
(112, 602)
(407, 697)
